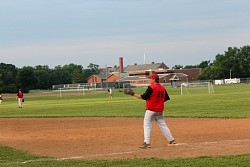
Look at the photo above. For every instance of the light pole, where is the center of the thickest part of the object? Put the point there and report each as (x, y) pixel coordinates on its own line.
(230, 73)
(106, 76)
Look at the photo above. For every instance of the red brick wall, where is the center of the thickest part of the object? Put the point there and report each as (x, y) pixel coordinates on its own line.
(94, 79)
(163, 66)
(113, 78)
(192, 73)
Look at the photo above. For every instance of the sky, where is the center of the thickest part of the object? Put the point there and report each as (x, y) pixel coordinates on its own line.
(175, 32)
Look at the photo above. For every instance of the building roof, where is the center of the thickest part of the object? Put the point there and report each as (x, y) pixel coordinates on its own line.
(133, 78)
(144, 67)
(108, 70)
(101, 76)
(120, 75)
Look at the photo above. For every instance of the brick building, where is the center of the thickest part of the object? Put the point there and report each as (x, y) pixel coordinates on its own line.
(137, 74)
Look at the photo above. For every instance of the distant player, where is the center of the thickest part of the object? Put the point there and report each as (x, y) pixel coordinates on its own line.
(110, 93)
(20, 98)
(1, 98)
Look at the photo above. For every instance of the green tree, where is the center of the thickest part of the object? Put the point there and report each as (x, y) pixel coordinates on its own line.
(94, 68)
(86, 74)
(26, 78)
(75, 72)
(42, 74)
(91, 69)
(178, 67)
(1, 83)
(190, 66)
(202, 65)
(77, 76)
(60, 76)
(235, 63)
(210, 73)
(8, 73)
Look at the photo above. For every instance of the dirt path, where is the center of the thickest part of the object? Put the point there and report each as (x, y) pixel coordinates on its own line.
(118, 138)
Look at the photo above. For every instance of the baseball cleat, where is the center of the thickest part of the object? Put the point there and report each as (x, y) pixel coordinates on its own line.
(171, 143)
(145, 145)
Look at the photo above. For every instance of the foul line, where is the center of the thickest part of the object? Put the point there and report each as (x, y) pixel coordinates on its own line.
(97, 155)
(224, 141)
(120, 153)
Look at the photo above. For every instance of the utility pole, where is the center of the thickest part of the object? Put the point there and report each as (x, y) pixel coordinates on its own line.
(144, 58)
(106, 76)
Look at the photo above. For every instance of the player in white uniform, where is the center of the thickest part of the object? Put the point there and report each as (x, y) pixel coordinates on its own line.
(110, 93)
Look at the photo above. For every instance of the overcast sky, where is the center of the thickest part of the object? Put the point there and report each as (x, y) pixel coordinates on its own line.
(176, 32)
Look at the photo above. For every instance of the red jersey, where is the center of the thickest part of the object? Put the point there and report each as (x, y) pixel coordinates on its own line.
(156, 101)
(20, 94)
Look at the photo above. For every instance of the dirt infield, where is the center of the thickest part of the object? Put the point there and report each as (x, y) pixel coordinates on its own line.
(119, 138)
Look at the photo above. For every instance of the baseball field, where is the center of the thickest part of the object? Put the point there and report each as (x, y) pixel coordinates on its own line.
(91, 129)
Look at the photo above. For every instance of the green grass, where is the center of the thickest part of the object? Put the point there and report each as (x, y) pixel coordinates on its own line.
(13, 158)
(228, 101)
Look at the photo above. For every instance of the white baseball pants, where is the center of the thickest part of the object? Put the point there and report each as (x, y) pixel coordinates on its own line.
(149, 118)
(20, 102)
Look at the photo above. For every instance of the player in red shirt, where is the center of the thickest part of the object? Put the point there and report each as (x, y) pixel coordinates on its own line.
(155, 96)
(1, 98)
(20, 98)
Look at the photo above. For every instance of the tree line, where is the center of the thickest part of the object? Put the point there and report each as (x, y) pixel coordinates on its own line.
(42, 77)
(235, 62)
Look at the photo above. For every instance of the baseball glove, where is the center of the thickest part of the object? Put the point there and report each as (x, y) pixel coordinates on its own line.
(128, 91)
